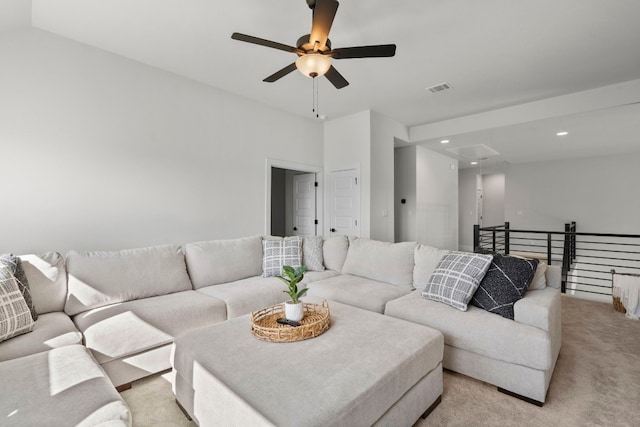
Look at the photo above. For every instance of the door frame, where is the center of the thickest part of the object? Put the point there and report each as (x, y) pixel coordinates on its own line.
(301, 167)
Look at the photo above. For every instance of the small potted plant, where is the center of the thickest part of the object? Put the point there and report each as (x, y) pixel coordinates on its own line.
(293, 309)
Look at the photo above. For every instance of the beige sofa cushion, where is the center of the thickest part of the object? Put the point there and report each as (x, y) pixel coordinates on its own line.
(356, 291)
(221, 261)
(247, 295)
(426, 260)
(47, 278)
(97, 279)
(51, 330)
(554, 276)
(61, 387)
(334, 252)
(381, 261)
(131, 327)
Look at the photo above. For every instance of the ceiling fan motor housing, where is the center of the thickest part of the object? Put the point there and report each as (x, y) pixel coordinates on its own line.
(304, 43)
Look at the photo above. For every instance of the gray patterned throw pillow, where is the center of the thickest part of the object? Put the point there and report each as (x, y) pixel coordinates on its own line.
(15, 317)
(276, 253)
(11, 265)
(456, 278)
(312, 253)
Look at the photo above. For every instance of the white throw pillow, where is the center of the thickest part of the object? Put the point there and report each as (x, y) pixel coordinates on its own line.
(276, 253)
(539, 280)
(15, 317)
(426, 260)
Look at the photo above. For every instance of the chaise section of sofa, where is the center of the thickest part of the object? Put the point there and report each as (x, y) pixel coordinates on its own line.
(60, 387)
(47, 280)
(518, 355)
(130, 304)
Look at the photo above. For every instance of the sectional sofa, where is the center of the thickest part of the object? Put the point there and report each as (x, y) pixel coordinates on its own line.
(124, 308)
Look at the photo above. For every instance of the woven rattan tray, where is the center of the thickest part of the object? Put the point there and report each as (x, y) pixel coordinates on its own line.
(317, 320)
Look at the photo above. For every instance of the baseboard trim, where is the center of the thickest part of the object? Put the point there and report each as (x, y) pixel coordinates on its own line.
(432, 407)
(518, 396)
(184, 411)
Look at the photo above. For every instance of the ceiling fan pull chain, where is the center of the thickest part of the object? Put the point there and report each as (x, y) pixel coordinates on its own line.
(317, 98)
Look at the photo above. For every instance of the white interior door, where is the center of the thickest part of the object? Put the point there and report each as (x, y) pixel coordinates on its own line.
(304, 205)
(344, 204)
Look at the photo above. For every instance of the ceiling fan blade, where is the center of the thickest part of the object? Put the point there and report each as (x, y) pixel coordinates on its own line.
(377, 51)
(323, 14)
(263, 42)
(336, 78)
(280, 74)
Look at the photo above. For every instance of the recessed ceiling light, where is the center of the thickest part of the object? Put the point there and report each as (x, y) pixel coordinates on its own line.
(444, 141)
(474, 163)
(563, 133)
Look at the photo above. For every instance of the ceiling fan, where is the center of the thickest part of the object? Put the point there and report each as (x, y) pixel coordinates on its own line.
(314, 50)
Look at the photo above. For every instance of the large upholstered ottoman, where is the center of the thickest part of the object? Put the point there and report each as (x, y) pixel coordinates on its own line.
(60, 387)
(367, 369)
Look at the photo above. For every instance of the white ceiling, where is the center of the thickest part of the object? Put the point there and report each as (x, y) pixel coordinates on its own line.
(494, 53)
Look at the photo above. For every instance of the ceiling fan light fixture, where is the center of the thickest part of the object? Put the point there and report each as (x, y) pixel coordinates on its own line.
(313, 64)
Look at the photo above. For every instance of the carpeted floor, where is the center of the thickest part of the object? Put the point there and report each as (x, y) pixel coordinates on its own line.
(596, 382)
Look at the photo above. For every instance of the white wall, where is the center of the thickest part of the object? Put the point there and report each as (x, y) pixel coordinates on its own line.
(14, 14)
(492, 199)
(429, 183)
(347, 145)
(405, 188)
(365, 140)
(383, 133)
(100, 152)
(437, 199)
(600, 194)
(467, 185)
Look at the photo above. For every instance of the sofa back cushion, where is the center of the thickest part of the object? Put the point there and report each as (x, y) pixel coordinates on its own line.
(222, 261)
(426, 260)
(47, 278)
(97, 279)
(334, 252)
(553, 276)
(382, 261)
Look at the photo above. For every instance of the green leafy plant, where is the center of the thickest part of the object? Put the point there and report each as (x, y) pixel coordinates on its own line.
(293, 276)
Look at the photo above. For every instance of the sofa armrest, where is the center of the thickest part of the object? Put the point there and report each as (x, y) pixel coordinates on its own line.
(540, 309)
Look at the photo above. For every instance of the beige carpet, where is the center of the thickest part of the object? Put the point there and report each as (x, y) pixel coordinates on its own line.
(596, 382)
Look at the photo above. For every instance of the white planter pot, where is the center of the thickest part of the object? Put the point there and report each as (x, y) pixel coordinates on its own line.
(293, 311)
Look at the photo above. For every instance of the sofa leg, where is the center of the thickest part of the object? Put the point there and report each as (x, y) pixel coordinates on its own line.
(432, 407)
(123, 387)
(518, 396)
(184, 411)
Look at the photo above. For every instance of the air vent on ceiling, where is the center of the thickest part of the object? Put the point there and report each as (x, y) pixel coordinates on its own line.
(439, 88)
